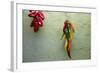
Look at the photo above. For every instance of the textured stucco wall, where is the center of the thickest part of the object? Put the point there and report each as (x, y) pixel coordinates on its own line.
(45, 45)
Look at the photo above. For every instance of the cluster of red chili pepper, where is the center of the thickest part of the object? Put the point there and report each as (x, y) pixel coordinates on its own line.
(38, 18)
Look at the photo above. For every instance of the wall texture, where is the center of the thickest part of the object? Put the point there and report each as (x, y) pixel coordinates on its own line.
(45, 45)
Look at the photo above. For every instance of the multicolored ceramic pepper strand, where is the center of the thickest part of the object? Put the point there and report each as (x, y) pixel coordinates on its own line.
(38, 18)
(68, 30)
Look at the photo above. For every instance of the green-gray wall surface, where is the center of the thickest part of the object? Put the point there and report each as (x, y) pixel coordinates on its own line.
(46, 44)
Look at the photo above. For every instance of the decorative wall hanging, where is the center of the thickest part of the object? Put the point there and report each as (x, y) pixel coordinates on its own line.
(29, 48)
(38, 18)
(68, 30)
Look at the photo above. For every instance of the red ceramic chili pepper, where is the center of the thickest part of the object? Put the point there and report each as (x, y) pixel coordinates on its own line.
(36, 27)
(40, 22)
(64, 28)
(41, 15)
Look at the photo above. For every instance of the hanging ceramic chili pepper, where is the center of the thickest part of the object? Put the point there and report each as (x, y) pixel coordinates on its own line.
(68, 30)
(38, 18)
